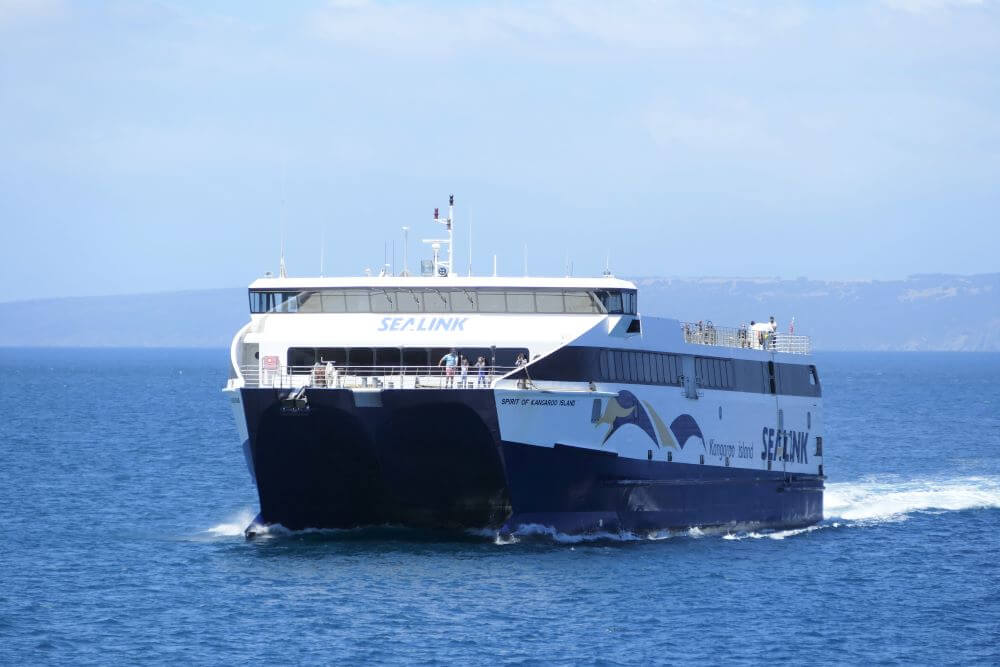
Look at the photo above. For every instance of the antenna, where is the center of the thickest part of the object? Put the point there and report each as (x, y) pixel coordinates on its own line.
(441, 267)
(494, 266)
(470, 246)
(451, 246)
(406, 245)
(282, 273)
(322, 250)
(607, 265)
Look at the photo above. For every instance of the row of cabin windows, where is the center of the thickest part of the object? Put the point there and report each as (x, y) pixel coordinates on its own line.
(444, 301)
(713, 373)
(304, 357)
(710, 372)
(663, 368)
(642, 367)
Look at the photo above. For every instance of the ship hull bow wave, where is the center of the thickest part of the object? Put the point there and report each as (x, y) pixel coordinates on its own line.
(339, 459)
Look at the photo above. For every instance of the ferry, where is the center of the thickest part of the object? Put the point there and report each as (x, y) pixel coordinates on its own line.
(515, 404)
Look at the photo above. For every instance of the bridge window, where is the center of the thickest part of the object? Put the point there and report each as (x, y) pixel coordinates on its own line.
(334, 302)
(310, 302)
(549, 302)
(464, 301)
(382, 302)
(612, 300)
(520, 302)
(445, 300)
(436, 301)
(580, 302)
(408, 301)
(357, 301)
(492, 302)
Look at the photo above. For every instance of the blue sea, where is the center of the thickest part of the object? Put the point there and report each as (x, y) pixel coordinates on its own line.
(124, 494)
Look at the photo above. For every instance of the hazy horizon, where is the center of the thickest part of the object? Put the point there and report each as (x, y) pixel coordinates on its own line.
(636, 279)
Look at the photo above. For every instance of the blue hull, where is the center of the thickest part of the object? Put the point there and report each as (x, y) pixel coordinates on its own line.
(435, 459)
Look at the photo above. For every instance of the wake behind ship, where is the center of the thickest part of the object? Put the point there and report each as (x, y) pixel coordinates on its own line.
(499, 403)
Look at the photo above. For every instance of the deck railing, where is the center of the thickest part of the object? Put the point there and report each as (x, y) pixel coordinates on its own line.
(700, 333)
(372, 377)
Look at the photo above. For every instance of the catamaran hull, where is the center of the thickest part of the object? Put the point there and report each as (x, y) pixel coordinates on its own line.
(436, 459)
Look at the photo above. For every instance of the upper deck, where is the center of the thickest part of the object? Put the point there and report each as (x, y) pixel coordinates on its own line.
(443, 295)
(745, 338)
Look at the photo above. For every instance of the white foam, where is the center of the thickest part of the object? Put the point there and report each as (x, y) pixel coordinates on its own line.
(234, 527)
(772, 535)
(869, 501)
(875, 500)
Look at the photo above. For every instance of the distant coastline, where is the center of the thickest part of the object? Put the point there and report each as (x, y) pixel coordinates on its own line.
(919, 313)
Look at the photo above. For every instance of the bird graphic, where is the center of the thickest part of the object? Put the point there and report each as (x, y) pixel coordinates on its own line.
(626, 409)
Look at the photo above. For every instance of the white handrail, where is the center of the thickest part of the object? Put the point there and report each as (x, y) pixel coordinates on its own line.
(372, 377)
(699, 333)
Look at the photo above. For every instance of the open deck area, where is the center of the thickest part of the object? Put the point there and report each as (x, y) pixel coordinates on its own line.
(701, 333)
(371, 377)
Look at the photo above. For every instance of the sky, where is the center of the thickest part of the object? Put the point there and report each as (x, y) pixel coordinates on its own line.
(156, 146)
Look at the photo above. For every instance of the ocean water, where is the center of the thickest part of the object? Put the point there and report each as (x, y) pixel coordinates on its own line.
(124, 495)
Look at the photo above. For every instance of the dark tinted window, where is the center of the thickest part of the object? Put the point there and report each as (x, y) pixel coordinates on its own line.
(387, 356)
(361, 356)
(337, 355)
(416, 356)
(301, 356)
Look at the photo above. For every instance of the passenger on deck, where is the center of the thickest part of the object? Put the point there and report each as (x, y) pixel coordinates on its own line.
(480, 372)
(331, 374)
(449, 361)
(522, 383)
(761, 331)
(464, 377)
(317, 375)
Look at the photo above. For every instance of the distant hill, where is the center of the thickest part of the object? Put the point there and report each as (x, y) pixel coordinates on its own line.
(923, 312)
(199, 318)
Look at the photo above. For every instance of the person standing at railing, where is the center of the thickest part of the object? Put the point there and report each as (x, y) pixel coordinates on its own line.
(520, 362)
(760, 331)
(331, 374)
(463, 380)
(317, 375)
(449, 361)
(480, 372)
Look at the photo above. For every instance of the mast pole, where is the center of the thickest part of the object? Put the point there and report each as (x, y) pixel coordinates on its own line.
(451, 234)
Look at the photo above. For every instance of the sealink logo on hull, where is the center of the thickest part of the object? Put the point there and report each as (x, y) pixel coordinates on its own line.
(626, 408)
(782, 445)
(423, 324)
